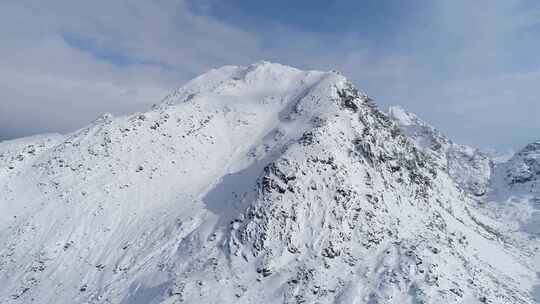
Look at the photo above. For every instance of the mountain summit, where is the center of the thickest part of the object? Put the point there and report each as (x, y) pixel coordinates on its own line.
(257, 184)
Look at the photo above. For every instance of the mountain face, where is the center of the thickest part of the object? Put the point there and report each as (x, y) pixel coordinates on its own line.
(469, 167)
(524, 167)
(506, 189)
(258, 184)
(515, 193)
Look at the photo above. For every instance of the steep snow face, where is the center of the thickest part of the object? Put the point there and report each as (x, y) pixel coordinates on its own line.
(515, 190)
(469, 167)
(425, 136)
(519, 176)
(506, 186)
(17, 157)
(258, 184)
(514, 198)
(524, 167)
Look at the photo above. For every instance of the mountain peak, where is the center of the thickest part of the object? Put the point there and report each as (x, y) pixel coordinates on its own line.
(262, 75)
(254, 184)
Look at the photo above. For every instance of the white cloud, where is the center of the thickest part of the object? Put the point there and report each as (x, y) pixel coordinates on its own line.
(48, 85)
(468, 67)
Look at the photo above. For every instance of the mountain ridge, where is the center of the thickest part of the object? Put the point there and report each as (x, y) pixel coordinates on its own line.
(249, 184)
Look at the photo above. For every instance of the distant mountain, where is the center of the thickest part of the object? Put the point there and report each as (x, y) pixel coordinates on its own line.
(524, 167)
(257, 184)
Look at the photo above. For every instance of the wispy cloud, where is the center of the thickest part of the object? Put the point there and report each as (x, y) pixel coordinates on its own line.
(63, 63)
(469, 67)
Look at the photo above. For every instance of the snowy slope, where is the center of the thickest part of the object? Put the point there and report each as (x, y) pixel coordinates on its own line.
(258, 184)
(514, 197)
(507, 188)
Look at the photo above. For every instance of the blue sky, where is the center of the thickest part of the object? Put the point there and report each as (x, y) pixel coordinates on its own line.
(469, 67)
(373, 19)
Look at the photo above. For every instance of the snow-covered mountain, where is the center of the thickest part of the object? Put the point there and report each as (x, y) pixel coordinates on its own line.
(524, 167)
(470, 168)
(258, 184)
(507, 188)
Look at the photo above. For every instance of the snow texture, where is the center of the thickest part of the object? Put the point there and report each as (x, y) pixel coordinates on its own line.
(258, 184)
